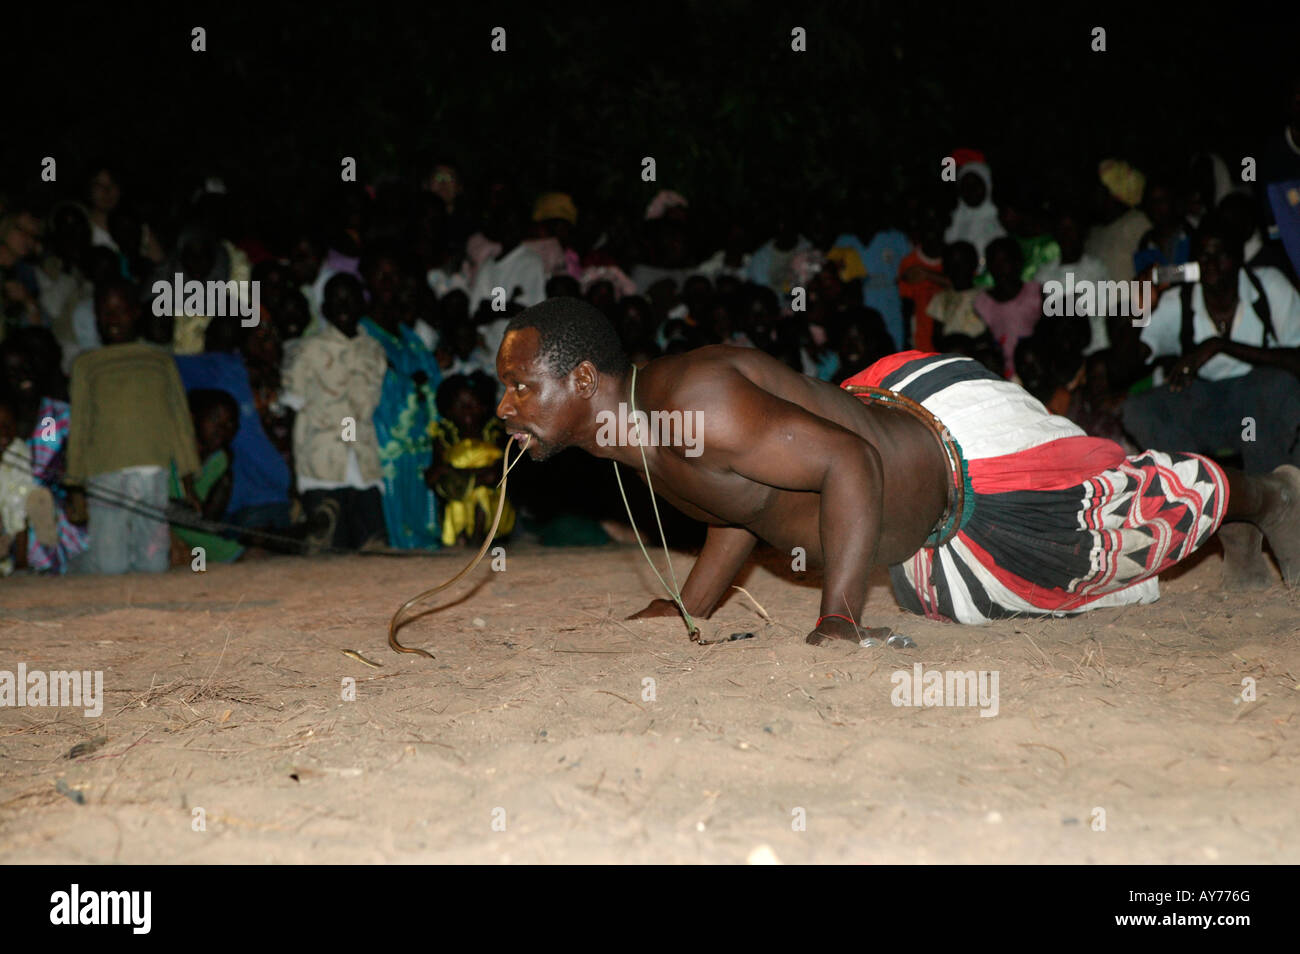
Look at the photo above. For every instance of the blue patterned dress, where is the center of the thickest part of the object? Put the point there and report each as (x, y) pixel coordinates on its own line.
(405, 448)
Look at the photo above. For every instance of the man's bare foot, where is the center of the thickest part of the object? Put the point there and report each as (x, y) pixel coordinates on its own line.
(835, 630)
(1245, 567)
(1281, 520)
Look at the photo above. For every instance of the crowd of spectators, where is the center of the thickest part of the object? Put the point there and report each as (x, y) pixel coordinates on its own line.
(358, 410)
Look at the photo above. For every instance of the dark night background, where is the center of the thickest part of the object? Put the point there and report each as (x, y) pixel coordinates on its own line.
(736, 121)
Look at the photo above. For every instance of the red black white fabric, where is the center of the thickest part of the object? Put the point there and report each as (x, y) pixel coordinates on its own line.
(1060, 522)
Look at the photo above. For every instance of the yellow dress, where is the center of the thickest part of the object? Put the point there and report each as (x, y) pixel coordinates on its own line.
(459, 489)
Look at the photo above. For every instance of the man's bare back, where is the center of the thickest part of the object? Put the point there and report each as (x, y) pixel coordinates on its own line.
(722, 381)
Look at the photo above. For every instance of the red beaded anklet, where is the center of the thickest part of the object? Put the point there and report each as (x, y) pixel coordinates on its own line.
(836, 616)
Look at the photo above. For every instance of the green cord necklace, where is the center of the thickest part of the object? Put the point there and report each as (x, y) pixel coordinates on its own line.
(674, 591)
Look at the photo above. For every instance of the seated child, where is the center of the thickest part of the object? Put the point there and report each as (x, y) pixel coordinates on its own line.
(467, 450)
(952, 310)
(216, 421)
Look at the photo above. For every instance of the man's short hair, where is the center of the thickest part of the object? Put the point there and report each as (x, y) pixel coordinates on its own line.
(203, 400)
(376, 252)
(1216, 225)
(116, 283)
(341, 280)
(573, 331)
(1005, 245)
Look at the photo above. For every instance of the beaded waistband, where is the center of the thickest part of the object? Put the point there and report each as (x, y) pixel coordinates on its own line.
(961, 495)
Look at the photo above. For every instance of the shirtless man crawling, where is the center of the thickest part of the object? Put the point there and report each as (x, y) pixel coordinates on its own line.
(982, 504)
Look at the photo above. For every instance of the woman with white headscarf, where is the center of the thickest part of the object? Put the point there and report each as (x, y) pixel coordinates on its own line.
(975, 219)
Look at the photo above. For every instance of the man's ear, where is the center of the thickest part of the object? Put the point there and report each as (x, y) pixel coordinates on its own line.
(586, 379)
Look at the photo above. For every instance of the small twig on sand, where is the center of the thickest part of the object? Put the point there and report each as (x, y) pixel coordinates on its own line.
(1040, 745)
(219, 658)
(624, 698)
(856, 629)
(762, 612)
(1042, 655)
(610, 619)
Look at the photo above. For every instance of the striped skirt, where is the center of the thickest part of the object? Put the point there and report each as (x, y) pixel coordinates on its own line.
(1059, 522)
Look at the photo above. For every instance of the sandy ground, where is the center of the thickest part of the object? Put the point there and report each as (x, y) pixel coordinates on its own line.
(534, 737)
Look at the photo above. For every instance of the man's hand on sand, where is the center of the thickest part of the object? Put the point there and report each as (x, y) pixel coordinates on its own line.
(832, 628)
(657, 608)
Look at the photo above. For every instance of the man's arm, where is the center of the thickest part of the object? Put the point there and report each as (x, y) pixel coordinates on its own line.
(724, 553)
(773, 442)
(1288, 359)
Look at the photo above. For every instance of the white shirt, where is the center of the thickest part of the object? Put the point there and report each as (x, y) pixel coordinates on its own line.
(351, 478)
(1163, 333)
(521, 267)
(441, 282)
(427, 334)
(100, 236)
(478, 360)
(713, 267)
